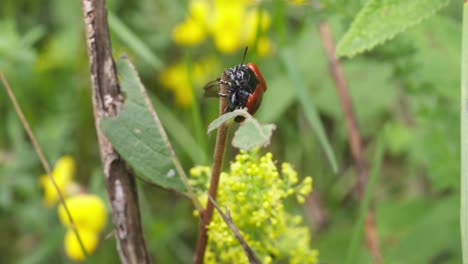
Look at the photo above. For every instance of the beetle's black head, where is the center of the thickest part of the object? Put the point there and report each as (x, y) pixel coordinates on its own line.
(242, 77)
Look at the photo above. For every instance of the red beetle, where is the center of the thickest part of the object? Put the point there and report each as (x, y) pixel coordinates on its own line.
(246, 86)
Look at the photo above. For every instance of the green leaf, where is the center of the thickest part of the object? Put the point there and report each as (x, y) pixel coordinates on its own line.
(252, 134)
(380, 20)
(179, 132)
(441, 213)
(226, 117)
(136, 137)
(308, 107)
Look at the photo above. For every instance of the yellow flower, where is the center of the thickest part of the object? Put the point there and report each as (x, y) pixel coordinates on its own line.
(63, 174)
(232, 24)
(227, 25)
(263, 46)
(72, 244)
(193, 30)
(88, 212)
(255, 21)
(177, 78)
(256, 179)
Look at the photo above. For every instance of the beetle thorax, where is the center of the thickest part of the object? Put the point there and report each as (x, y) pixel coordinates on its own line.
(241, 77)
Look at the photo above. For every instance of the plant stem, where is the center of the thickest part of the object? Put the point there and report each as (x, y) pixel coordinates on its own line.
(355, 140)
(41, 156)
(207, 214)
(228, 220)
(464, 138)
(107, 100)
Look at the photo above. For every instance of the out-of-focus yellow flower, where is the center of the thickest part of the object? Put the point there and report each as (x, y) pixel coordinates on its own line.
(256, 21)
(63, 173)
(298, 2)
(72, 244)
(232, 24)
(226, 26)
(88, 211)
(193, 30)
(177, 78)
(263, 46)
(89, 216)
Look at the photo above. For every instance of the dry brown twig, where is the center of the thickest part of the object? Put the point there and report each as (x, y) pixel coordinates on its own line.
(355, 140)
(107, 100)
(228, 219)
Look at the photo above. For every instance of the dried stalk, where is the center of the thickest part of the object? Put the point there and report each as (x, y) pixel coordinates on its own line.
(355, 140)
(42, 158)
(107, 100)
(235, 230)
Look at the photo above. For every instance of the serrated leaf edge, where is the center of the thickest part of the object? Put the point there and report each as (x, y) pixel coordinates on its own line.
(341, 53)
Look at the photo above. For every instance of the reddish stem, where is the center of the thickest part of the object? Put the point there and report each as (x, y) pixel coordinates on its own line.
(207, 214)
(355, 140)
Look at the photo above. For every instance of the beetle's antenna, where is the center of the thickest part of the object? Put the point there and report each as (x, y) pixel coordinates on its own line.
(245, 53)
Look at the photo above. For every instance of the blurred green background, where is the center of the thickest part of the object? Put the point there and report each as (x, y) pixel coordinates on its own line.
(405, 91)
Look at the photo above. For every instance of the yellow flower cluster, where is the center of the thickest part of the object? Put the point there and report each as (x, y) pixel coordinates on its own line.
(180, 77)
(232, 25)
(255, 193)
(88, 210)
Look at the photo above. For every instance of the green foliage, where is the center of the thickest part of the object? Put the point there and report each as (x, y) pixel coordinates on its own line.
(358, 229)
(224, 118)
(250, 133)
(136, 137)
(428, 92)
(309, 109)
(133, 42)
(255, 193)
(464, 138)
(408, 86)
(418, 218)
(179, 132)
(380, 20)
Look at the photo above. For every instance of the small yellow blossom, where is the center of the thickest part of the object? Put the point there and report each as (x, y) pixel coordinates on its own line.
(88, 211)
(255, 193)
(63, 174)
(72, 245)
